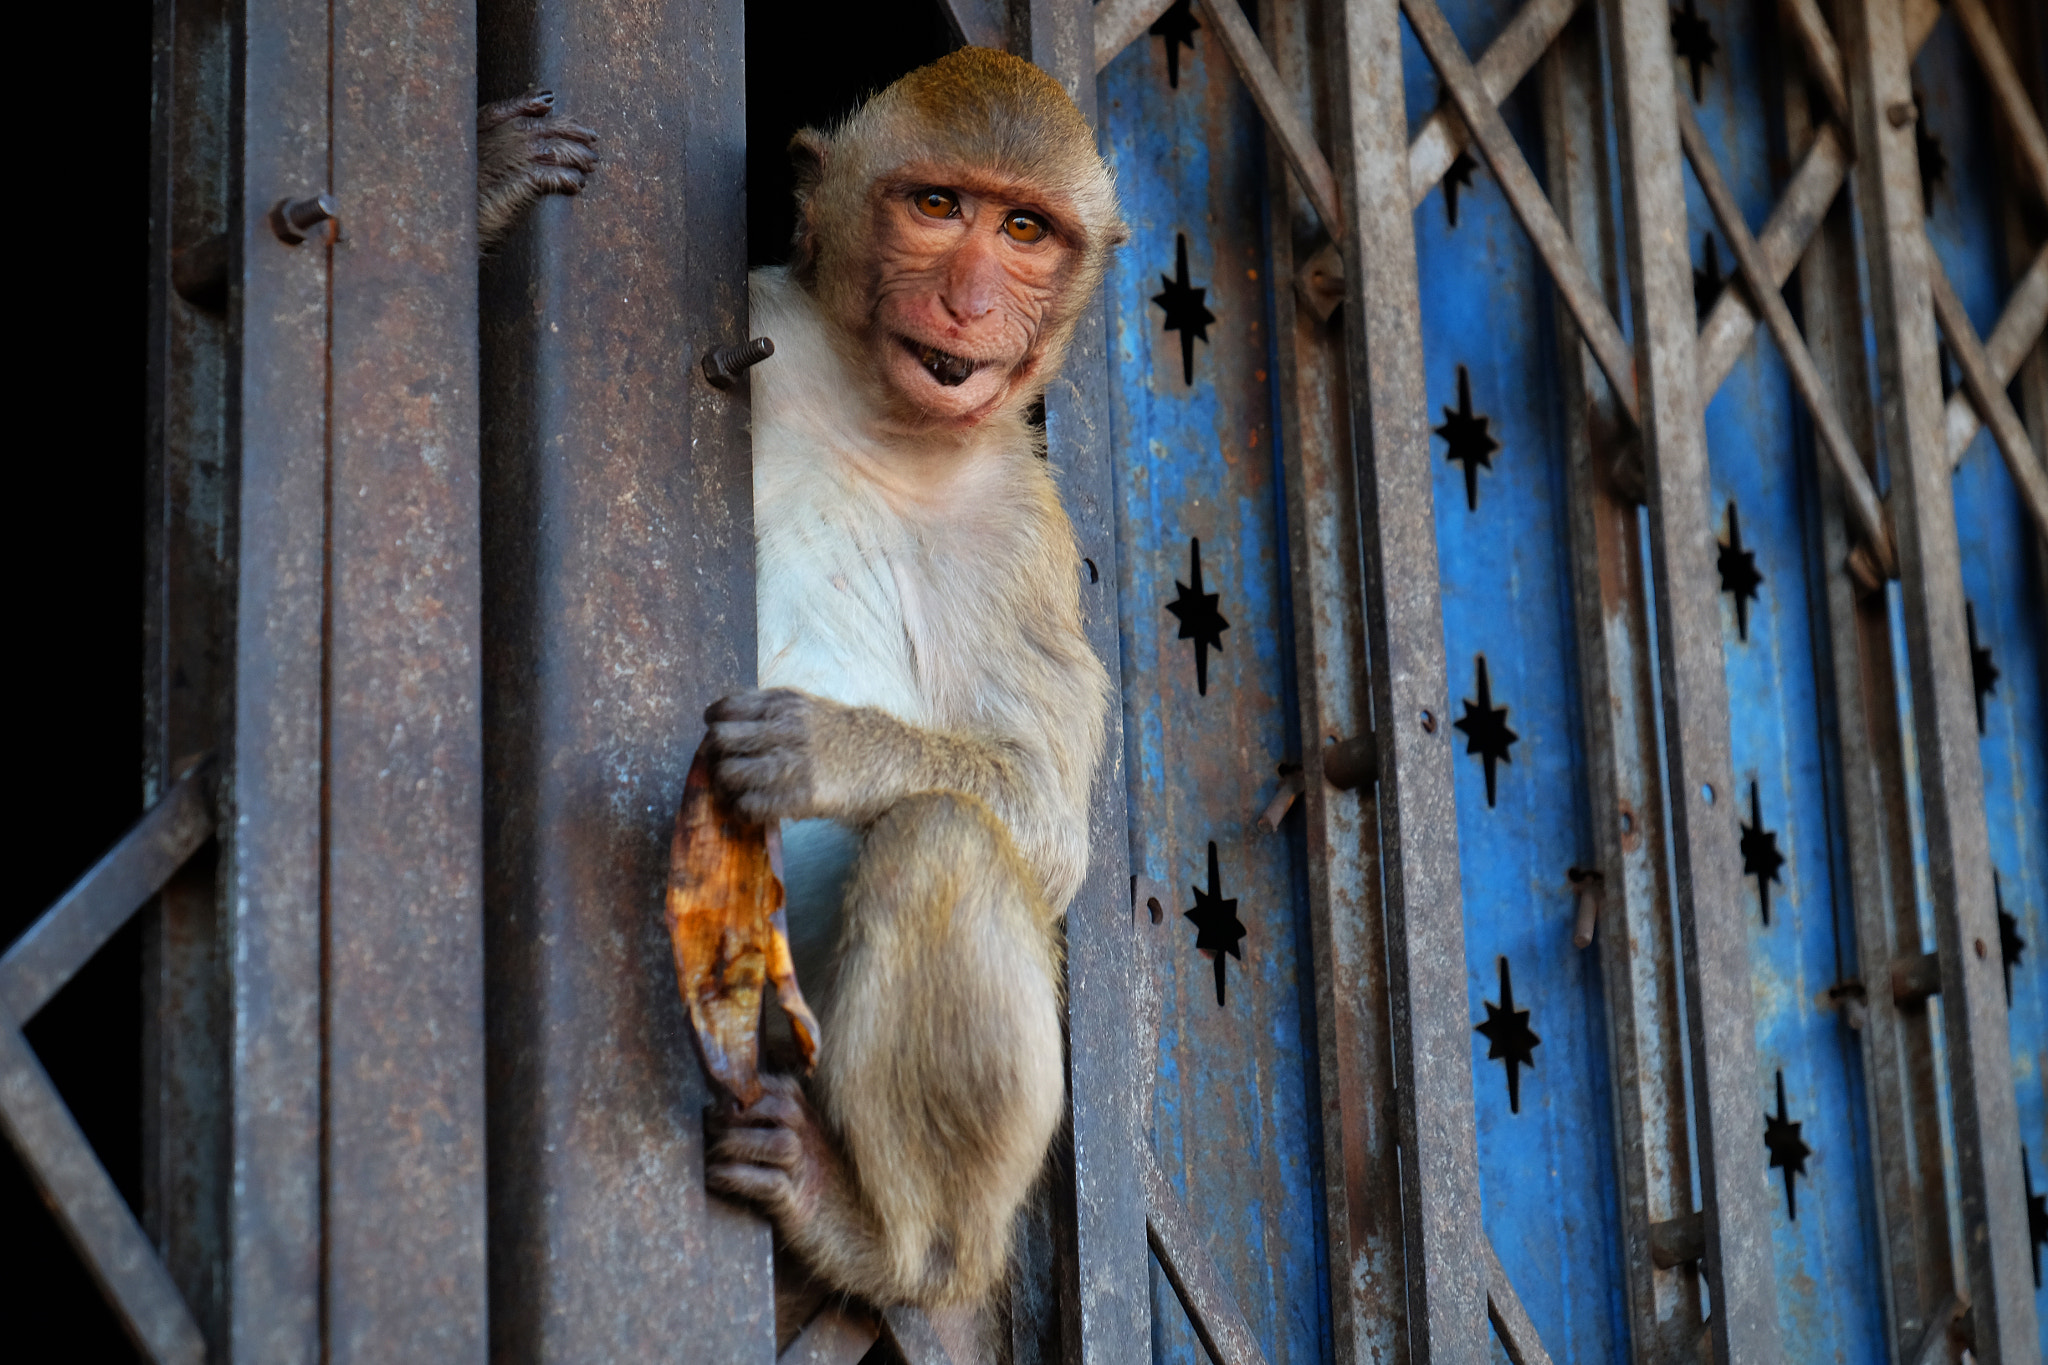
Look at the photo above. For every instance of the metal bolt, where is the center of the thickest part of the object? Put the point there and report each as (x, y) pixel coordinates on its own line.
(1900, 113)
(724, 366)
(1586, 882)
(293, 219)
(1291, 786)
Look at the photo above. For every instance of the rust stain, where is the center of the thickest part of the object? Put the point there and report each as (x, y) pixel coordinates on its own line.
(730, 934)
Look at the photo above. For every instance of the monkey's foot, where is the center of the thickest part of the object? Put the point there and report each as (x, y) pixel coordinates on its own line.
(773, 1154)
(525, 150)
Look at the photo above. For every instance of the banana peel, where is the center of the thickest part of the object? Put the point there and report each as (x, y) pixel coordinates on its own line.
(730, 934)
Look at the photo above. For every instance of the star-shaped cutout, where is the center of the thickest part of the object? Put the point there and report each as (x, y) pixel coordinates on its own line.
(1198, 617)
(1707, 282)
(1692, 40)
(1788, 1153)
(2010, 945)
(1486, 729)
(1466, 435)
(1739, 573)
(1760, 856)
(1983, 673)
(1185, 312)
(1927, 148)
(1460, 173)
(1219, 930)
(1177, 26)
(2037, 1215)
(1508, 1036)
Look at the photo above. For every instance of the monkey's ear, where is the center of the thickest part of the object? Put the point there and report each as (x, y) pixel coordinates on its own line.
(807, 153)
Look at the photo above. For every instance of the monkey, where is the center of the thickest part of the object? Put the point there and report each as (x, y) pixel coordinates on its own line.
(524, 150)
(930, 715)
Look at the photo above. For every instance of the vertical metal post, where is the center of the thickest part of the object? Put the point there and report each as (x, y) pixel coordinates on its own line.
(1361, 1162)
(1410, 698)
(1897, 1043)
(618, 545)
(1110, 1319)
(1993, 1215)
(403, 787)
(273, 800)
(1726, 1099)
(1636, 934)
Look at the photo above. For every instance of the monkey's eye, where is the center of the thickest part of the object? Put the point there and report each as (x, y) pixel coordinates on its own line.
(936, 203)
(1025, 227)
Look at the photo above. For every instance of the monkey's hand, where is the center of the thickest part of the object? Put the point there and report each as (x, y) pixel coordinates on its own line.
(766, 752)
(774, 1154)
(523, 151)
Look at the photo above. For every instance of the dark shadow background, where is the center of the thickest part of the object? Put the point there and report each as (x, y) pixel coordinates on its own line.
(75, 556)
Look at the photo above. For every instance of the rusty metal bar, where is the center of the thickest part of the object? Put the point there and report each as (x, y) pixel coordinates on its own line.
(1281, 108)
(980, 23)
(835, 1337)
(1212, 1310)
(273, 804)
(2005, 350)
(915, 1339)
(1507, 59)
(1108, 1321)
(1763, 291)
(1993, 1230)
(1118, 24)
(1707, 866)
(1410, 693)
(1510, 1323)
(1637, 940)
(82, 1196)
(2030, 141)
(618, 545)
(1988, 394)
(1897, 1045)
(1361, 1165)
(1525, 196)
(37, 964)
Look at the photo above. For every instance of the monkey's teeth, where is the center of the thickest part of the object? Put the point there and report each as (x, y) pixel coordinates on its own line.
(950, 370)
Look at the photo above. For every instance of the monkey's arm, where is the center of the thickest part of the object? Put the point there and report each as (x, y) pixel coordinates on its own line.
(525, 150)
(787, 755)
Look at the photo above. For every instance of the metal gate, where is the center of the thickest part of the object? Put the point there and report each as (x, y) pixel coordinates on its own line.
(1563, 482)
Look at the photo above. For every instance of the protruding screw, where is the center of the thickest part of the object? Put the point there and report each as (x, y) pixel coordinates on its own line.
(1901, 112)
(725, 365)
(1586, 884)
(294, 219)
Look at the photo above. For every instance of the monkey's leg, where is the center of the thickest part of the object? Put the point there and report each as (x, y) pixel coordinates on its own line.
(940, 1080)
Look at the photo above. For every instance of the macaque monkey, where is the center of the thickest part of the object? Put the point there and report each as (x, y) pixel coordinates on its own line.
(931, 714)
(523, 151)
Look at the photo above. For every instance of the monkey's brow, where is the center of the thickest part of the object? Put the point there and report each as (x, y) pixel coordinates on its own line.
(1006, 196)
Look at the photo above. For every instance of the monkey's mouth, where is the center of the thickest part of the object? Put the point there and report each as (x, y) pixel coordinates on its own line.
(950, 370)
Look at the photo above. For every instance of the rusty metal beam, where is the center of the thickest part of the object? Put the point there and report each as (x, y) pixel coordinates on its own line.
(1993, 1230)
(2005, 350)
(1212, 1310)
(1507, 59)
(836, 1336)
(1510, 1322)
(1980, 382)
(1118, 23)
(1425, 941)
(1282, 110)
(1707, 867)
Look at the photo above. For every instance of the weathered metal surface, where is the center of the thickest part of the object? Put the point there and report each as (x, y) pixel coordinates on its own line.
(1992, 1215)
(619, 603)
(1212, 1309)
(1340, 852)
(36, 965)
(1206, 706)
(1410, 696)
(1532, 1021)
(1509, 58)
(834, 1337)
(1636, 935)
(1987, 394)
(1105, 1321)
(2004, 591)
(1280, 108)
(1694, 696)
(273, 802)
(1510, 1321)
(1915, 1273)
(80, 1193)
(1799, 923)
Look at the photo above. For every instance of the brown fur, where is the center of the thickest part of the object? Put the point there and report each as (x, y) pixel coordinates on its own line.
(920, 600)
(524, 150)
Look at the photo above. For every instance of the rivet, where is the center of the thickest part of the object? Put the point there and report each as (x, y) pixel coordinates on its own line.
(1981, 950)
(1900, 113)
(1428, 723)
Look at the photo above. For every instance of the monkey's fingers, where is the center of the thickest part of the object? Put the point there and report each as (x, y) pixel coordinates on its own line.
(773, 1147)
(778, 1107)
(763, 1185)
(554, 180)
(533, 105)
(570, 132)
(548, 152)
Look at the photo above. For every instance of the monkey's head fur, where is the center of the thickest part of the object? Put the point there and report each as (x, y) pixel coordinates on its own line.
(953, 230)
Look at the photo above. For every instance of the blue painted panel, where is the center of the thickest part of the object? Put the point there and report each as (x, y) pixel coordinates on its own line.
(2002, 582)
(1545, 1142)
(1236, 1110)
(1801, 920)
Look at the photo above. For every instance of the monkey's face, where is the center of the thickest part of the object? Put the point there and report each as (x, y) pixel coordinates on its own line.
(969, 274)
